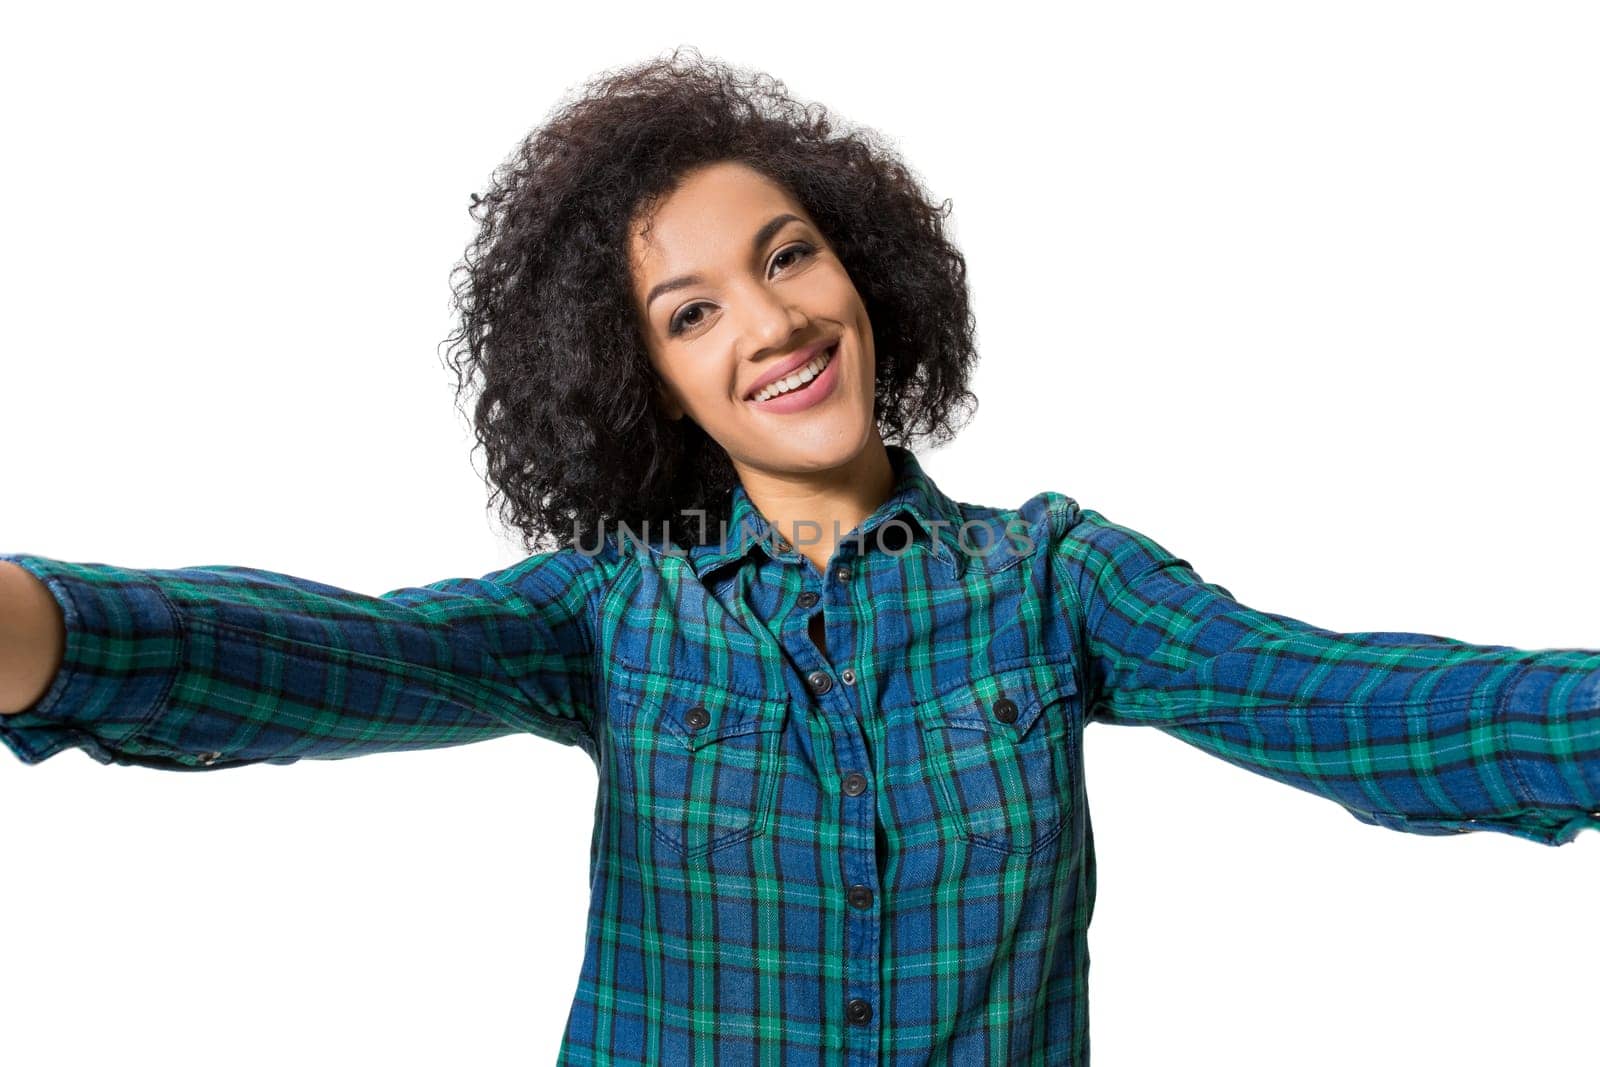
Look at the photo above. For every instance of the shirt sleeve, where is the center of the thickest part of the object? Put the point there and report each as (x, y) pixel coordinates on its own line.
(1413, 732)
(211, 667)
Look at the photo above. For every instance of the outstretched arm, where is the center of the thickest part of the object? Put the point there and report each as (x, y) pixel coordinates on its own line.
(221, 666)
(1414, 732)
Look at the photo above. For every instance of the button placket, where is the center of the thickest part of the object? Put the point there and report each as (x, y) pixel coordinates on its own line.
(854, 784)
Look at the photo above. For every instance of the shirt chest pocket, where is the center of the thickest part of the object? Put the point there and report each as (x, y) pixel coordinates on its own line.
(998, 754)
(700, 765)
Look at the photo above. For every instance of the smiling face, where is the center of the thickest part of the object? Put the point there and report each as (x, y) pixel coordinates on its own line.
(741, 300)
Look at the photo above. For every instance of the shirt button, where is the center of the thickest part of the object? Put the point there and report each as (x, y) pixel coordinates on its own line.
(847, 676)
(860, 896)
(1005, 710)
(208, 758)
(855, 784)
(842, 573)
(819, 681)
(697, 718)
(859, 1010)
(808, 598)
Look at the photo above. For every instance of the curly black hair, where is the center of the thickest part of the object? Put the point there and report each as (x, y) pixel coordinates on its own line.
(549, 331)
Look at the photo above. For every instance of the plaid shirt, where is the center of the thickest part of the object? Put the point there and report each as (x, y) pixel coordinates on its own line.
(879, 852)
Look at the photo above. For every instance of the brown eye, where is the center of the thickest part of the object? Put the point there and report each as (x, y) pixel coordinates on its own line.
(680, 321)
(800, 251)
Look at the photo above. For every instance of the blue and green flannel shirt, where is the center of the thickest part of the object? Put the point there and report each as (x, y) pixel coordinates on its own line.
(874, 851)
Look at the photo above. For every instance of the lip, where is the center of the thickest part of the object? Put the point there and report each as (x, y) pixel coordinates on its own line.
(808, 396)
(789, 366)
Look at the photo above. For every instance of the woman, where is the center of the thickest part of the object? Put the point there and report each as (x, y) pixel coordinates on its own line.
(836, 715)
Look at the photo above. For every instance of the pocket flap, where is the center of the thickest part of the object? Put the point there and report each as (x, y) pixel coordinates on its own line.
(978, 705)
(696, 713)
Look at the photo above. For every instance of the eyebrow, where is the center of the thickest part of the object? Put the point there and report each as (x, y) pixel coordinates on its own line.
(763, 235)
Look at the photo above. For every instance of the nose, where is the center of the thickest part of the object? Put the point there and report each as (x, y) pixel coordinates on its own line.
(768, 321)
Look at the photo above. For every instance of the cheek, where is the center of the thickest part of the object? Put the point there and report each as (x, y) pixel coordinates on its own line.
(700, 389)
(865, 341)
(841, 293)
(669, 382)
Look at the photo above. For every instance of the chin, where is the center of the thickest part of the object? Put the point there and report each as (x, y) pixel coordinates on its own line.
(824, 448)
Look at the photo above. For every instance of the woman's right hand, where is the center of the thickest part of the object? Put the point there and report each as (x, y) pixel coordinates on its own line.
(32, 638)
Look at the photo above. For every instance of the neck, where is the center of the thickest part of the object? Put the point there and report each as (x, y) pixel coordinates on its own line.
(814, 509)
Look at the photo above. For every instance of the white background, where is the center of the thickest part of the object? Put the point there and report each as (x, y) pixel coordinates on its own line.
(1306, 292)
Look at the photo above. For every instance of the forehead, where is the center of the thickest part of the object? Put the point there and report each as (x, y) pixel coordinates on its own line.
(709, 216)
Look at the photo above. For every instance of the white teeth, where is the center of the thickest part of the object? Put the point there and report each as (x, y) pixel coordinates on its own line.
(795, 380)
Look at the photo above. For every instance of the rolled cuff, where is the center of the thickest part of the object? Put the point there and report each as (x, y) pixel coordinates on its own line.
(124, 647)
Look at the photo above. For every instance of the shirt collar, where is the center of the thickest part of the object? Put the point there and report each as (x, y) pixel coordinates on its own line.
(932, 520)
